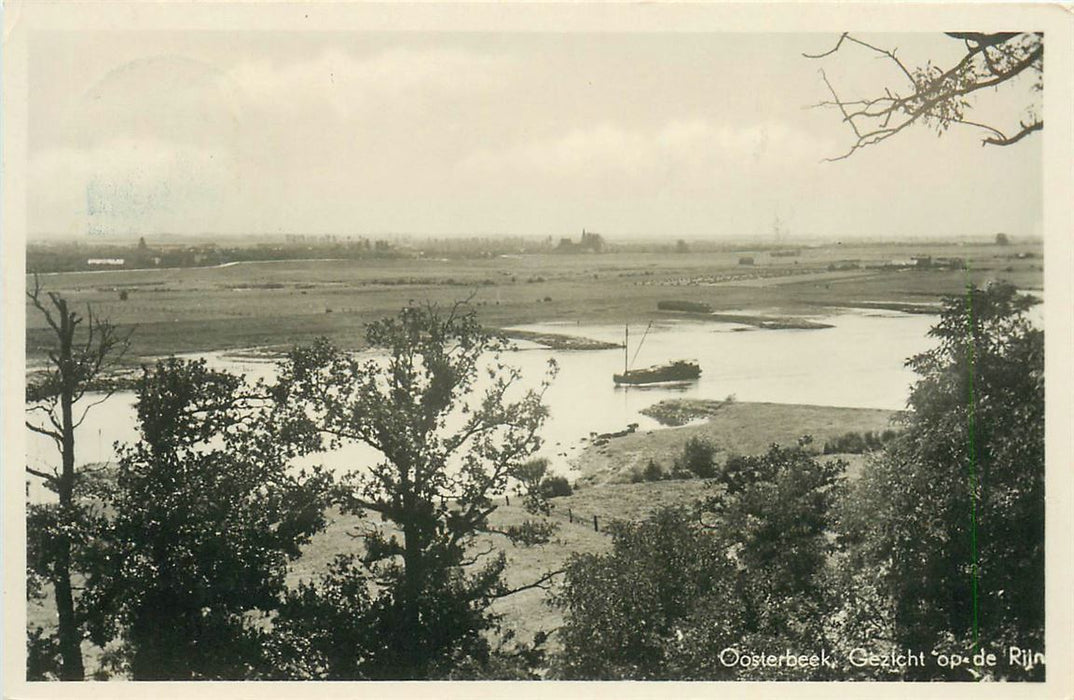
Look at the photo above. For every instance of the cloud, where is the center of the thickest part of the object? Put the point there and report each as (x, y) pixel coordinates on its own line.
(346, 84)
(681, 152)
(128, 186)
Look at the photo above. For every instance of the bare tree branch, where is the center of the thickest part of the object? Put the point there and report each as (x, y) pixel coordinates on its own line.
(50, 478)
(938, 97)
(544, 583)
(1027, 129)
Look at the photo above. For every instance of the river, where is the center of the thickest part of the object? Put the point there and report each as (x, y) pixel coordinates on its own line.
(858, 362)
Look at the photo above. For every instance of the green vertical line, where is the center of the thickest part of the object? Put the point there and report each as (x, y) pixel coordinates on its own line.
(971, 438)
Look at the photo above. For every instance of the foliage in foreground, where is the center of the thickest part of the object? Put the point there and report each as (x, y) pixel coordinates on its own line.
(206, 515)
(81, 349)
(455, 431)
(951, 516)
(185, 562)
(743, 570)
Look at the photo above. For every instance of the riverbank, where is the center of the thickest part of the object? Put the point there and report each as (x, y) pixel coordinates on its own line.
(734, 428)
(558, 341)
(769, 323)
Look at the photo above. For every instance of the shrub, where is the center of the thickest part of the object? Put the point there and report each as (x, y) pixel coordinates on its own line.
(652, 472)
(531, 532)
(858, 443)
(556, 486)
(698, 458)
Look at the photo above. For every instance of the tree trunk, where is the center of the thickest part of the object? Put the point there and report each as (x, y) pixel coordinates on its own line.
(413, 637)
(70, 640)
(69, 636)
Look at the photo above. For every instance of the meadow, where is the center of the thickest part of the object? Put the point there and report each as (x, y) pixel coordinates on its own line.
(276, 305)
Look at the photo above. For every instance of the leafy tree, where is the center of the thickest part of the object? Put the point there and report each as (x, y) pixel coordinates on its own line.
(940, 97)
(677, 589)
(951, 517)
(778, 505)
(698, 458)
(449, 445)
(206, 516)
(625, 610)
(530, 476)
(81, 350)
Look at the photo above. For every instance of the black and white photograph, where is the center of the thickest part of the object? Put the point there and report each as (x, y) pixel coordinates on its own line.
(536, 343)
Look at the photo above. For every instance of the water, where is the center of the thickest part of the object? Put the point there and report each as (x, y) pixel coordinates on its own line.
(860, 362)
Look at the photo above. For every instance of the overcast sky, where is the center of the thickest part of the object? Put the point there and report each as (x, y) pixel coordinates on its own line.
(660, 135)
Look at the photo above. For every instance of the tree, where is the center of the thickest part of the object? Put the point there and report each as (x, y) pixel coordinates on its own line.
(82, 350)
(448, 448)
(698, 458)
(206, 516)
(951, 516)
(940, 97)
(626, 611)
(530, 477)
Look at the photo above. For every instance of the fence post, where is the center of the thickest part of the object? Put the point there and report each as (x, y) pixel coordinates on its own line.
(507, 498)
(570, 515)
(595, 527)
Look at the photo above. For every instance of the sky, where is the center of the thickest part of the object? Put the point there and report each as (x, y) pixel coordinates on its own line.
(633, 135)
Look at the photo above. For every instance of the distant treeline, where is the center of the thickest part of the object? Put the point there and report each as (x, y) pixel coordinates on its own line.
(75, 256)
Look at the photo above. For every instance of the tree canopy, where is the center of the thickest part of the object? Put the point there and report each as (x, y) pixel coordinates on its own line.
(951, 515)
(207, 513)
(743, 570)
(454, 430)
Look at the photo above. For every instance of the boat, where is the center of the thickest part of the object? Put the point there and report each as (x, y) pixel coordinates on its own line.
(676, 371)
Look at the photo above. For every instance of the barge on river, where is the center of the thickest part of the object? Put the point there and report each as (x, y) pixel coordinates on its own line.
(677, 371)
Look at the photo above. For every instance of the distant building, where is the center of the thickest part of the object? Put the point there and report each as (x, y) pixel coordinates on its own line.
(106, 262)
(590, 243)
(746, 260)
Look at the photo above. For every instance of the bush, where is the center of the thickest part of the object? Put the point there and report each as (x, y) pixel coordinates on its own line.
(858, 443)
(556, 486)
(531, 532)
(698, 458)
(652, 472)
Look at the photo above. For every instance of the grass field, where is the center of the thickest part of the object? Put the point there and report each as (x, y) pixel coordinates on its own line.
(735, 429)
(279, 304)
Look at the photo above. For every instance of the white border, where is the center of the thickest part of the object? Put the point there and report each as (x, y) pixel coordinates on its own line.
(21, 18)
